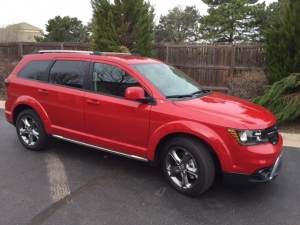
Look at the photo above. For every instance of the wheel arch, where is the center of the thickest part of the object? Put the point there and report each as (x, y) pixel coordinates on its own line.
(26, 102)
(210, 139)
(165, 139)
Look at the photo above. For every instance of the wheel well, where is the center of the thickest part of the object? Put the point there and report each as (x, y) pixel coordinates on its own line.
(18, 110)
(168, 137)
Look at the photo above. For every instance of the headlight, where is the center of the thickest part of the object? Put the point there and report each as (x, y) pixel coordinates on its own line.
(249, 137)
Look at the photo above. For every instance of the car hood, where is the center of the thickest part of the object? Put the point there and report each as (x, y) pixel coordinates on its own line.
(232, 109)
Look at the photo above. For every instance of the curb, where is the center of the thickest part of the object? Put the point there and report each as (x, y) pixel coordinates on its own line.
(290, 140)
(2, 106)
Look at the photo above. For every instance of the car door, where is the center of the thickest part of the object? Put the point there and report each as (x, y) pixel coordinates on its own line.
(112, 121)
(62, 94)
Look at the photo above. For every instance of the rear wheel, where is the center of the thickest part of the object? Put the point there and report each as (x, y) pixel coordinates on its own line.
(31, 131)
(188, 165)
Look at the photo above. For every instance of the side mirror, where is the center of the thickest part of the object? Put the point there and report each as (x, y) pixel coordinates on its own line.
(136, 94)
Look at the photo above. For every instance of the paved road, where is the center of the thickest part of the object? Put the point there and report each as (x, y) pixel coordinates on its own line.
(70, 184)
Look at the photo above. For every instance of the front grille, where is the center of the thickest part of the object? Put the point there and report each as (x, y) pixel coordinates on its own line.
(272, 134)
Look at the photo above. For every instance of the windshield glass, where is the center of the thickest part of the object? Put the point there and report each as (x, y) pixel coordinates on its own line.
(168, 80)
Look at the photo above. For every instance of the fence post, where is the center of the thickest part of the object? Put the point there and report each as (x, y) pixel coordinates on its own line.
(167, 53)
(20, 50)
(61, 46)
(232, 63)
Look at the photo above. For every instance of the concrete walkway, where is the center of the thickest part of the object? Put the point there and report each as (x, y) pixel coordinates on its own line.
(291, 140)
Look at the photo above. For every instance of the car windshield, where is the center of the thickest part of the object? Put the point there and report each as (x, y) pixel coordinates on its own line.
(169, 81)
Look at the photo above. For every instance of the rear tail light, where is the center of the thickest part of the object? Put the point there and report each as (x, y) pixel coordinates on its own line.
(6, 82)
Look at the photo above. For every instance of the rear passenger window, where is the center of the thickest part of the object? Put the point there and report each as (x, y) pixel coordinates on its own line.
(34, 70)
(68, 73)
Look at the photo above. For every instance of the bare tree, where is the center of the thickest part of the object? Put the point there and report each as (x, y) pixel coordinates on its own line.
(11, 33)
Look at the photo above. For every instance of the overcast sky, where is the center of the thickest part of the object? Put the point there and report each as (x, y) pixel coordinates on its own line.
(38, 12)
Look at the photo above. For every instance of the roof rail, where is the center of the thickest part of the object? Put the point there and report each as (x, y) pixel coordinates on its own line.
(60, 51)
(119, 53)
(86, 52)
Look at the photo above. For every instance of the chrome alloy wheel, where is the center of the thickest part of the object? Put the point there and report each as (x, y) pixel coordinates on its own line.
(29, 130)
(182, 167)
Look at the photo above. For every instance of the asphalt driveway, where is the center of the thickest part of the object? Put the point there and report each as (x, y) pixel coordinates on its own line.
(71, 184)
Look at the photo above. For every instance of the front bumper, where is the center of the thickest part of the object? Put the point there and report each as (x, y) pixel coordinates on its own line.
(263, 175)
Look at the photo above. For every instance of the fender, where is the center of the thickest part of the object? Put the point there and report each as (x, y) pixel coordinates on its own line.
(33, 103)
(193, 128)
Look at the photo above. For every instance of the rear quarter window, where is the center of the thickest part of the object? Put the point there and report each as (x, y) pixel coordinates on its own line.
(34, 70)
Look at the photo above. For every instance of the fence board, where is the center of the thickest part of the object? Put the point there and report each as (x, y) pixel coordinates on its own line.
(211, 65)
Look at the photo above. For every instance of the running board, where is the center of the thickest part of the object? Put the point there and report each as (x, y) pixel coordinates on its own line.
(101, 149)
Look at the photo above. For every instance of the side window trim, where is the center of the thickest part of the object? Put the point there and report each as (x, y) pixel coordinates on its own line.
(46, 74)
(89, 85)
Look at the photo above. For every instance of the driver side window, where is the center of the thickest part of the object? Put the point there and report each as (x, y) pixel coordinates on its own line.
(111, 80)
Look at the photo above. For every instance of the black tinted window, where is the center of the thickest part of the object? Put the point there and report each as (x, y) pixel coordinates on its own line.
(111, 80)
(35, 69)
(68, 73)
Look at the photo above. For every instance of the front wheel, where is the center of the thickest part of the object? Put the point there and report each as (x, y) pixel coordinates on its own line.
(31, 131)
(188, 165)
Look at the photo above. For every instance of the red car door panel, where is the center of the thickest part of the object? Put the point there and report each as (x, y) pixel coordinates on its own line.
(62, 95)
(112, 121)
(65, 109)
(117, 124)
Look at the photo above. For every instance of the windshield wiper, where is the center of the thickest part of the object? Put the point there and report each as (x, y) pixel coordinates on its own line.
(178, 96)
(201, 92)
(197, 92)
(188, 95)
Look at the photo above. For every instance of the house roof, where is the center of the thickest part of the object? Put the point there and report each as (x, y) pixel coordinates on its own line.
(26, 26)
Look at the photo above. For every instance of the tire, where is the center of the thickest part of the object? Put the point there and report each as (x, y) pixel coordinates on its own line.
(31, 131)
(188, 165)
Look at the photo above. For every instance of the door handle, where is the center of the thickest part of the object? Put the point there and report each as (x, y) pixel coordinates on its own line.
(93, 102)
(44, 92)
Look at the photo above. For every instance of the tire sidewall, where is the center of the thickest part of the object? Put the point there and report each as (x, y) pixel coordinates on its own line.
(189, 146)
(42, 134)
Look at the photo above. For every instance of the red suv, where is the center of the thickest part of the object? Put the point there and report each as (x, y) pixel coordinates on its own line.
(143, 109)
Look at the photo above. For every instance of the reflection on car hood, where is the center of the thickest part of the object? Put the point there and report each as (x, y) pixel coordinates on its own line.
(220, 105)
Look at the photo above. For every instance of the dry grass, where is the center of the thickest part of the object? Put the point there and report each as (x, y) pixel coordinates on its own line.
(290, 127)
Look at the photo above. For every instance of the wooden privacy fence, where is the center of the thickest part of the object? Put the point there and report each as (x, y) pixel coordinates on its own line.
(212, 65)
(209, 65)
(15, 51)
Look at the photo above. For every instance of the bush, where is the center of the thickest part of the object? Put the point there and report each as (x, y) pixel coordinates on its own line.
(6, 67)
(247, 85)
(124, 49)
(283, 98)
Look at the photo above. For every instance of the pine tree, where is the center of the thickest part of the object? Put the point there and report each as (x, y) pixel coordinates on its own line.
(232, 20)
(103, 39)
(179, 25)
(283, 98)
(282, 43)
(127, 23)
